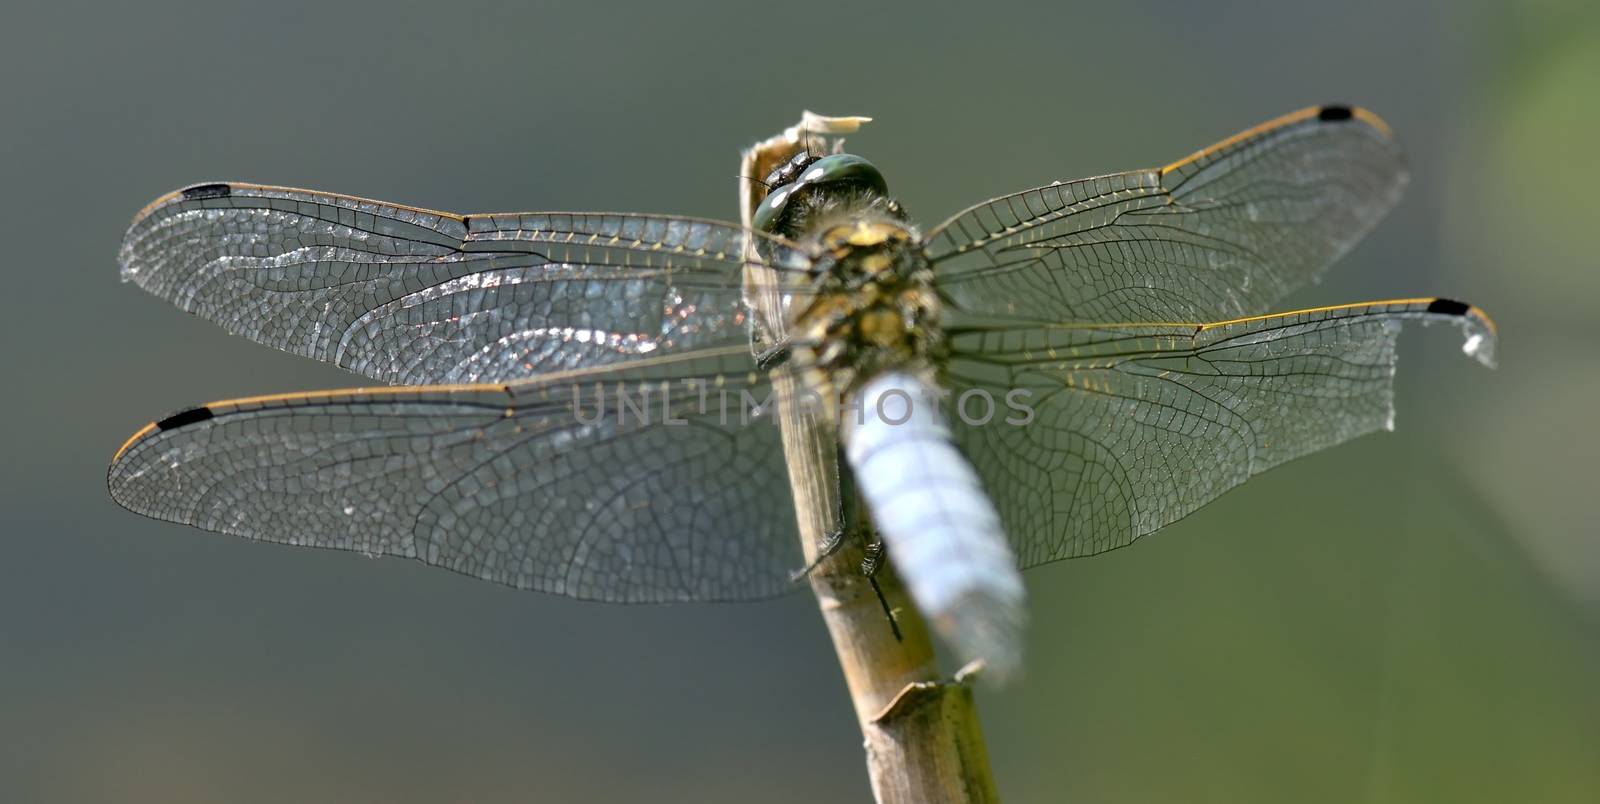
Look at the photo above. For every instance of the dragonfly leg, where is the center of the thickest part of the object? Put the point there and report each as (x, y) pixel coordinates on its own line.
(873, 556)
(870, 562)
(874, 553)
(773, 356)
(830, 545)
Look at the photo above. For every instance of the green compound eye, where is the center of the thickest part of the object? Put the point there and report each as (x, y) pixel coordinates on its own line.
(771, 209)
(842, 168)
(839, 170)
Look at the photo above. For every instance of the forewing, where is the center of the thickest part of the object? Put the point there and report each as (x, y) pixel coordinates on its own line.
(538, 485)
(1135, 426)
(1221, 234)
(415, 296)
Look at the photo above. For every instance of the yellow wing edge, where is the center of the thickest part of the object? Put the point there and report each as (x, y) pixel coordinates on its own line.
(1469, 310)
(1449, 306)
(209, 409)
(178, 195)
(1328, 112)
(223, 189)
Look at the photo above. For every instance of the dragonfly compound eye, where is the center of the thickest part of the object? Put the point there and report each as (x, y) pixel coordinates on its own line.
(844, 168)
(835, 173)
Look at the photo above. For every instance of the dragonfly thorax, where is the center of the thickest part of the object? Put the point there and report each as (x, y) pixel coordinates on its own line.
(875, 307)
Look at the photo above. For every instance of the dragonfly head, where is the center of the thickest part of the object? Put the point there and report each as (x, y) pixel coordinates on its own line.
(805, 181)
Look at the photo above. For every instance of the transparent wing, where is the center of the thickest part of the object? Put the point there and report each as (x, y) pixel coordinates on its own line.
(538, 485)
(1135, 426)
(415, 296)
(1221, 234)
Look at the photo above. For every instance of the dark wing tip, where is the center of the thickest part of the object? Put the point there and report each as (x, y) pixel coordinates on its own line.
(117, 474)
(1340, 113)
(1448, 307)
(184, 417)
(196, 192)
(1480, 329)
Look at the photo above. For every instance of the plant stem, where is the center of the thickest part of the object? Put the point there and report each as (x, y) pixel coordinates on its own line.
(922, 737)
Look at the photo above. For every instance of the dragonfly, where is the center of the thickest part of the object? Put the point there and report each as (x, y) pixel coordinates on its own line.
(581, 403)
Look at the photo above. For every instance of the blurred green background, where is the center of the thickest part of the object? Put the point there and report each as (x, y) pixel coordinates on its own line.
(1411, 617)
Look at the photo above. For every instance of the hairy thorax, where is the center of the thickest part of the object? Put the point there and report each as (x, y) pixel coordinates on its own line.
(874, 305)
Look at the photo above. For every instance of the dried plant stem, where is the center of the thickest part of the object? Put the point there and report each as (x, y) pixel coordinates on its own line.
(922, 738)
